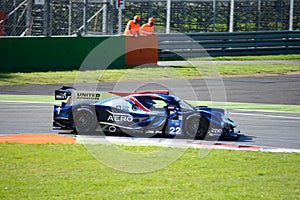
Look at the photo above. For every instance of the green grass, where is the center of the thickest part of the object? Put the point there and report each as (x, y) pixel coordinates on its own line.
(146, 73)
(27, 98)
(252, 106)
(70, 172)
(227, 105)
(257, 57)
(255, 69)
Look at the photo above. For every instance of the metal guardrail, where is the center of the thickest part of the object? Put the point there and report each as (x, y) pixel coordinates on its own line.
(225, 43)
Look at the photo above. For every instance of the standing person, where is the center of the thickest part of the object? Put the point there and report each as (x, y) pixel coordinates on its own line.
(133, 27)
(148, 28)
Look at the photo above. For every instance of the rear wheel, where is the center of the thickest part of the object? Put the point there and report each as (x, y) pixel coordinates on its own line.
(85, 120)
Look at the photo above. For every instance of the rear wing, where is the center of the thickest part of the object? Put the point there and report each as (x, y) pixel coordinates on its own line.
(141, 92)
(64, 92)
(71, 95)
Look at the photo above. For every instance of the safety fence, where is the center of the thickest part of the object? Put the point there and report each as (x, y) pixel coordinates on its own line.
(104, 17)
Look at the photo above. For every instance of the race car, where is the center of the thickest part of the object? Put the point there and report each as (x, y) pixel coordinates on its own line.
(140, 113)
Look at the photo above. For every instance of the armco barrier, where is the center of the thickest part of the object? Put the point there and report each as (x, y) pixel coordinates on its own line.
(226, 44)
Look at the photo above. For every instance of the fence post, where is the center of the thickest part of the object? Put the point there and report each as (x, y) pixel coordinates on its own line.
(28, 18)
(104, 19)
(112, 14)
(259, 15)
(291, 15)
(14, 19)
(85, 11)
(47, 18)
(168, 27)
(120, 21)
(214, 17)
(231, 18)
(70, 18)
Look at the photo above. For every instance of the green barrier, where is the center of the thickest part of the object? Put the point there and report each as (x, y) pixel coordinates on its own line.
(51, 53)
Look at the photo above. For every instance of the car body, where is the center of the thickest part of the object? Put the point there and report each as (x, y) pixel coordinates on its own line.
(152, 112)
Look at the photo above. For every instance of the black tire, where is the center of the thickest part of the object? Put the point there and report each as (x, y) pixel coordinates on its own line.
(84, 120)
(203, 127)
(196, 126)
(191, 126)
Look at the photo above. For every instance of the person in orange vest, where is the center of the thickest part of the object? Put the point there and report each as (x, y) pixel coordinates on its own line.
(148, 28)
(133, 27)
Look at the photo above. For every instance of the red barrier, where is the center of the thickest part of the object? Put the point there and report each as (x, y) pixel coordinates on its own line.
(141, 50)
(2, 23)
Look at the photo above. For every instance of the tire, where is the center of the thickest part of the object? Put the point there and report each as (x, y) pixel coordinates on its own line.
(191, 126)
(84, 120)
(196, 126)
(203, 127)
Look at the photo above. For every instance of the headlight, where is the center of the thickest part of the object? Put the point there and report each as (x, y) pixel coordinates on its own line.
(222, 124)
(223, 118)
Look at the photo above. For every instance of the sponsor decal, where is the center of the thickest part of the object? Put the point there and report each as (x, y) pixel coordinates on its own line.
(61, 96)
(119, 117)
(122, 107)
(58, 110)
(88, 96)
(175, 127)
(153, 132)
(216, 131)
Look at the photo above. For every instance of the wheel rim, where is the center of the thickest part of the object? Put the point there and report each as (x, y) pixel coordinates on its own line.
(83, 120)
(192, 127)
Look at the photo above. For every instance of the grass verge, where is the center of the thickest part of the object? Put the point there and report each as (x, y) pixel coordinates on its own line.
(228, 105)
(69, 172)
(256, 57)
(253, 106)
(142, 73)
(26, 98)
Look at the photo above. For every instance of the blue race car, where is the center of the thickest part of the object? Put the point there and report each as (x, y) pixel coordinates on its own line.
(143, 113)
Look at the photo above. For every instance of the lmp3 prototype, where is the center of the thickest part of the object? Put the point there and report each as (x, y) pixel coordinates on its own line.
(141, 113)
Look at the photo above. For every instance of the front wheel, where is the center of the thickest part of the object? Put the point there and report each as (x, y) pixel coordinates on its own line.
(203, 127)
(85, 120)
(196, 126)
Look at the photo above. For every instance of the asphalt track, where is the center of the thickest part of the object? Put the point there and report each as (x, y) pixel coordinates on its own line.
(274, 129)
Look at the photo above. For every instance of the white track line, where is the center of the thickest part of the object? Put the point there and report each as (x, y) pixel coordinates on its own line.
(265, 115)
(27, 102)
(264, 111)
(177, 143)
